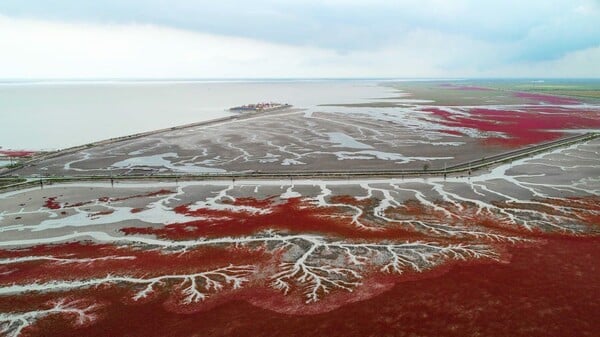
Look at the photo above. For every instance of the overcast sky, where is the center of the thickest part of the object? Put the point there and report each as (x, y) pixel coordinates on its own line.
(324, 38)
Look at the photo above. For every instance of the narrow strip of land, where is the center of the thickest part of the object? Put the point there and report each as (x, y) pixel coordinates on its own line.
(212, 122)
(463, 168)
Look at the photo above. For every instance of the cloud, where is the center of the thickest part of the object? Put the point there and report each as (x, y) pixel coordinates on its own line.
(541, 29)
(46, 49)
(34, 49)
(577, 64)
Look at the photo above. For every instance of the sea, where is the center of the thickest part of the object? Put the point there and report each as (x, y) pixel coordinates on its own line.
(52, 115)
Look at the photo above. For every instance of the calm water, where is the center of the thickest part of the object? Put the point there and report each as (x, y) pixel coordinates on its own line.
(45, 115)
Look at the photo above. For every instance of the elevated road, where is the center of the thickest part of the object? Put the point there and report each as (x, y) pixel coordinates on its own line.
(236, 117)
(463, 168)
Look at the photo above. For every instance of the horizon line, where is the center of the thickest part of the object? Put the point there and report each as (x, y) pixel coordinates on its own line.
(241, 79)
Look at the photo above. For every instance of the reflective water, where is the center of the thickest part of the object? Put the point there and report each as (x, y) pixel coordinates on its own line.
(54, 115)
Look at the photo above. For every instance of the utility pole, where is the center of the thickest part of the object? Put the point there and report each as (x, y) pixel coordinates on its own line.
(444, 170)
(112, 181)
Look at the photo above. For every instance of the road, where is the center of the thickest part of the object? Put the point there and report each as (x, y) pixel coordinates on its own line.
(466, 168)
(228, 119)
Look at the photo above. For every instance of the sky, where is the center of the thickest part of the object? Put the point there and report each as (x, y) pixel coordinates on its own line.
(299, 39)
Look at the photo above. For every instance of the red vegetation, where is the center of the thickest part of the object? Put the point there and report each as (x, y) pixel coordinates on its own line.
(251, 202)
(525, 126)
(446, 115)
(549, 290)
(546, 99)
(451, 132)
(13, 153)
(84, 312)
(292, 215)
(545, 288)
(588, 209)
(353, 201)
(51, 203)
(116, 261)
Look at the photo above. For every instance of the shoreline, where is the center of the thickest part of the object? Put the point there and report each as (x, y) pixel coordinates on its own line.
(38, 156)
